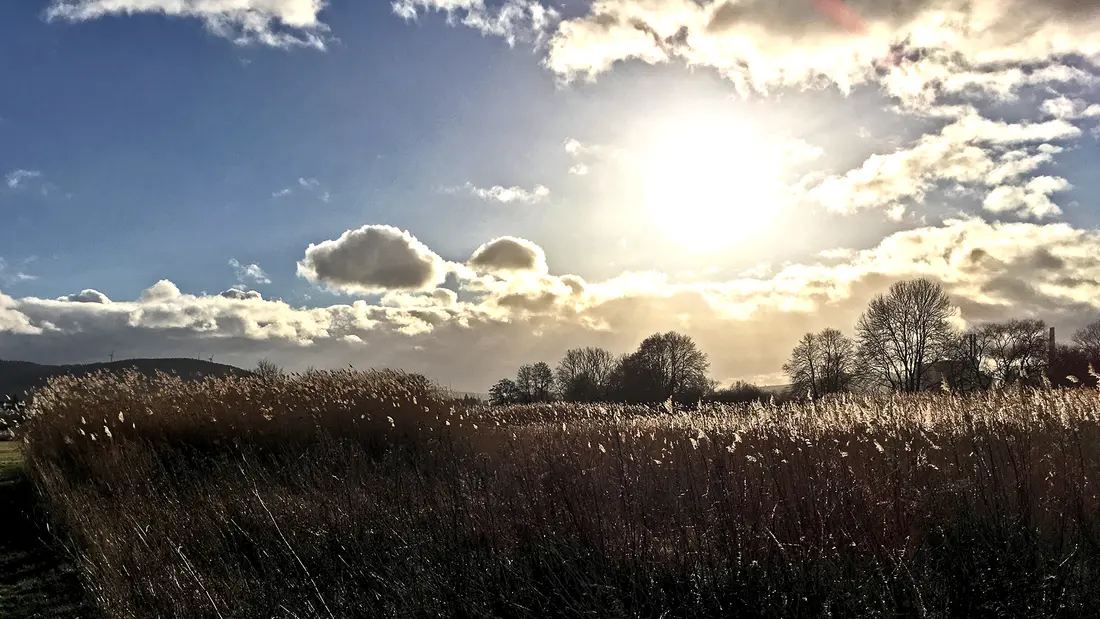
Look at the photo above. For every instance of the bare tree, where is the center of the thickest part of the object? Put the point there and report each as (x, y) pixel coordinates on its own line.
(837, 361)
(821, 363)
(583, 374)
(803, 368)
(535, 382)
(1087, 339)
(265, 368)
(542, 382)
(902, 333)
(964, 365)
(1014, 350)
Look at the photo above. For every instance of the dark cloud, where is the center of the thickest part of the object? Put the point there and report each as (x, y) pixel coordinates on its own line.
(373, 259)
(87, 295)
(241, 295)
(509, 254)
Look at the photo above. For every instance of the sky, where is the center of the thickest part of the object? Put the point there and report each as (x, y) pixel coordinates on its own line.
(457, 187)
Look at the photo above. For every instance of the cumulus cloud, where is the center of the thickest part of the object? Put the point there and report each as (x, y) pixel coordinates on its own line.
(746, 324)
(88, 295)
(373, 259)
(17, 178)
(763, 43)
(969, 151)
(1029, 200)
(277, 23)
(514, 20)
(1070, 109)
(504, 195)
(509, 254)
(163, 290)
(249, 272)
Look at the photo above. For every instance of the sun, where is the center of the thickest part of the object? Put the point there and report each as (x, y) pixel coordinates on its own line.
(709, 181)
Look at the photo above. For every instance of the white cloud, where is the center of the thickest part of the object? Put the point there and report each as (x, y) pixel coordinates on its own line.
(763, 43)
(163, 290)
(277, 23)
(308, 183)
(9, 276)
(17, 178)
(514, 20)
(1029, 200)
(746, 324)
(373, 259)
(249, 272)
(509, 254)
(1070, 109)
(282, 193)
(577, 150)
(971, 151)
(504, 195)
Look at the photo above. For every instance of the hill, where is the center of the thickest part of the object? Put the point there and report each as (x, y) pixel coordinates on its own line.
(17, 377)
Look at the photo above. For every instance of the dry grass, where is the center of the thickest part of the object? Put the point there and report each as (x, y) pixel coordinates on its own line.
(363, 494)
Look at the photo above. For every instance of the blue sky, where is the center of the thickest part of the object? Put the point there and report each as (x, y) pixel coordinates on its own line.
(742, 181)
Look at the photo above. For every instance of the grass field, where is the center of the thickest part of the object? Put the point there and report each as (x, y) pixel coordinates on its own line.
(34, 580)
(365, 495)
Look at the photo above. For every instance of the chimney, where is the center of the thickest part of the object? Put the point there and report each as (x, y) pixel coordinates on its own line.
(1051, 348)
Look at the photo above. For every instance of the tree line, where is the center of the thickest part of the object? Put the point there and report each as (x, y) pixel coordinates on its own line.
(906, 340)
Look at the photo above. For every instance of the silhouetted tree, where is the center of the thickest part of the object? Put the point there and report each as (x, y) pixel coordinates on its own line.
(1014, 349)
(269, 370)
(583, 374)
(535, 382)
(504, 392)
(1087, 338)
(633, 380)
(542, 382)
(963, 366)
(820, 364)
(1070, 365)
(902, 333)
(665, 366)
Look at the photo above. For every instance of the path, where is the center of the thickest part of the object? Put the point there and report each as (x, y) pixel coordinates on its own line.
(34, 581)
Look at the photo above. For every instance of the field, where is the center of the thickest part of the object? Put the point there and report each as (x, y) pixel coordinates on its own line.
(366, 495)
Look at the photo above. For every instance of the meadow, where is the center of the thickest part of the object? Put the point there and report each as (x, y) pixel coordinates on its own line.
(368, 494)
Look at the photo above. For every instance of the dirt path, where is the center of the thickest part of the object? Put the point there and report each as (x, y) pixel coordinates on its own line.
(34, 580)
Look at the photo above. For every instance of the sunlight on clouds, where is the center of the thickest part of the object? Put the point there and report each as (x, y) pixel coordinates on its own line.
(971, 152)
(504, 195)
(513, 20)
(748, 322)
(760, 44)
(277, 23)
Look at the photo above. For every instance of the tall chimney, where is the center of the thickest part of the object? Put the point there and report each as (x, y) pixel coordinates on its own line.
(1051, 348)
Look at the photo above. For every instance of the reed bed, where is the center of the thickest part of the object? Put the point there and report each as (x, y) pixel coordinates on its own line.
(368, 494)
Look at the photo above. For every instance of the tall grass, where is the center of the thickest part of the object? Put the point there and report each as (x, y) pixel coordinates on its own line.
(365, 494)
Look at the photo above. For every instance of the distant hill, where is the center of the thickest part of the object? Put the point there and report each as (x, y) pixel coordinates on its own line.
(17, 377)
